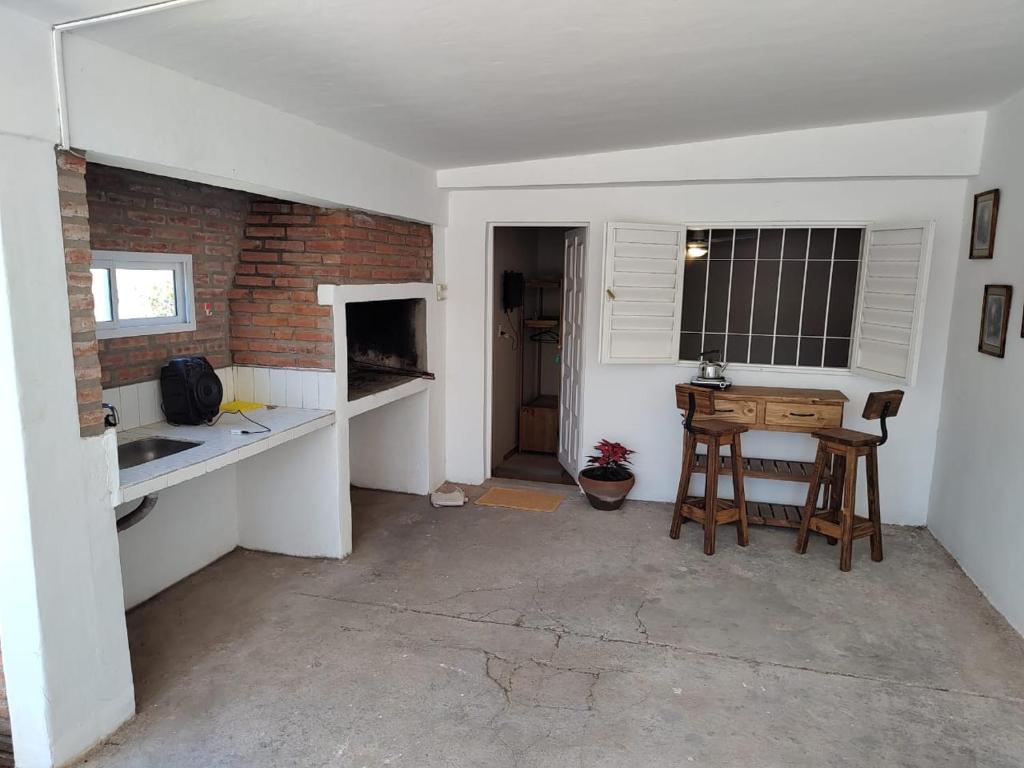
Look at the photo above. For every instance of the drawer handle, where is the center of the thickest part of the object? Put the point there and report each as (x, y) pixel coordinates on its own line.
(725, 410)
(802, 415)
(611, 294)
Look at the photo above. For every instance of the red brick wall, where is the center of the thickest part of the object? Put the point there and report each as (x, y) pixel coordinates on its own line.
(133, 211)
(74, 216)
(289, 250)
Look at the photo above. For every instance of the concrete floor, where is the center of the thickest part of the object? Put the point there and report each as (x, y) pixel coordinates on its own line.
(491, 637)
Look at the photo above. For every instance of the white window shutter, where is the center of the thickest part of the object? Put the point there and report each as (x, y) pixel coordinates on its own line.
(643, 279)
(890, 306)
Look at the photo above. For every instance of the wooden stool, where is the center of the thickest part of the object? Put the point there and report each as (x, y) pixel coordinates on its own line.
(843, 447)
(714, 434)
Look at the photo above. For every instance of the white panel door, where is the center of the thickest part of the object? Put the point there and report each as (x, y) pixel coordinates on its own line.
(570, 396)
(643, 279)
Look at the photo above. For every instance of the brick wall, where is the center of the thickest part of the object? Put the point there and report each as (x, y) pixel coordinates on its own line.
(290, 249)
(74, 215)
(133, 211)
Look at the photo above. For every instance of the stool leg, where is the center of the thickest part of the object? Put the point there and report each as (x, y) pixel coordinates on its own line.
(812, 499)
(874, 510)
(738, 493)
(711, 496)
(685, 473)
(835, 493)
(847, 512)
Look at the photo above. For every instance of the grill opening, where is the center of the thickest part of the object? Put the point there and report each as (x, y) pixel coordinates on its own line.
(387, 344)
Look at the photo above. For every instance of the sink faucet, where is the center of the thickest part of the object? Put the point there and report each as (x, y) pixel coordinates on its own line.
(111, 419)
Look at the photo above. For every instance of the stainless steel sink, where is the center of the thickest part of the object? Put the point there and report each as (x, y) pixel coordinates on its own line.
(150, 449)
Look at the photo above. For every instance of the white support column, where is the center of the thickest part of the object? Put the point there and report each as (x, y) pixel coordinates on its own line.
(62, 623)
(392, 440)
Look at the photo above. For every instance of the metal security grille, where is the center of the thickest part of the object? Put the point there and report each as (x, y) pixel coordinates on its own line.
(772, 296)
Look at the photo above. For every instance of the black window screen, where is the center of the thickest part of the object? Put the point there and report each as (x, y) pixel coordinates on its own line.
(772, 296)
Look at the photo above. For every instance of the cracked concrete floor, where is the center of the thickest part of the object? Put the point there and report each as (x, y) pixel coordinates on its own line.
(490, 637)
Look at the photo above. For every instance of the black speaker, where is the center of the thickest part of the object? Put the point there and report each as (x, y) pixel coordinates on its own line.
(190, 390)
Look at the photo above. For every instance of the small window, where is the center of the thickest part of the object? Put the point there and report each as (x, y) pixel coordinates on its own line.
(771, 296)
(142, 293)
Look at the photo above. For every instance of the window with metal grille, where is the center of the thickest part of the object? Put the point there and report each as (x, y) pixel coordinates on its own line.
(771, 295)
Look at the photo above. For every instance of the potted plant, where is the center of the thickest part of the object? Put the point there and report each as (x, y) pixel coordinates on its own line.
(607, 478)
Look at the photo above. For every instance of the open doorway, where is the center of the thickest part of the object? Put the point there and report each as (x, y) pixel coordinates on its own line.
(536, 352)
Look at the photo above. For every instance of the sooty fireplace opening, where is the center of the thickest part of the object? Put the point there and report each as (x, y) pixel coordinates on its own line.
(387, 344)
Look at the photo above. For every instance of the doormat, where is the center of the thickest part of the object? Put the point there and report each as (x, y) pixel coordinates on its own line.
(519, 498)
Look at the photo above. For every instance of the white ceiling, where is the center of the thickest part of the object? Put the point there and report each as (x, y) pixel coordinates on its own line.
(461, 82)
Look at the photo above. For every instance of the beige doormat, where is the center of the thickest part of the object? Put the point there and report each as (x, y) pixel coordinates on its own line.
(519, 498)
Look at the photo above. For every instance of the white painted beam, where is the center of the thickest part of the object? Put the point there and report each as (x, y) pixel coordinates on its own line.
(945, 145)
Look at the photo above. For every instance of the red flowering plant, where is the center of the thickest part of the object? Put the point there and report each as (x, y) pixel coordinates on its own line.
(610, 463)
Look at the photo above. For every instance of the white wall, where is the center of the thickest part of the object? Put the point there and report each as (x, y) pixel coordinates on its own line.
(976, 509)
(389, 447)
(128, 112)
(61, 609)
(288, 498)
(284, 499)
(945, 145)
(635, 404)
(192, 525)
(27, 97)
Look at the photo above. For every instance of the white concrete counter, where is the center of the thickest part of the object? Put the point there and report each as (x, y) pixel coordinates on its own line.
(219, 447)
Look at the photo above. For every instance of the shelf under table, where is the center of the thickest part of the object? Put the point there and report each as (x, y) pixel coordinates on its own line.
(765, 469)
(763, 512)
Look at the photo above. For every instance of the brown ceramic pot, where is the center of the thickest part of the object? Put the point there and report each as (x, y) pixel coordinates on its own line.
(605, 494)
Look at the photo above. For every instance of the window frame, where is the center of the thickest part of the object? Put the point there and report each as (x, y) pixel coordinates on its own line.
(181, 266)
(822, 370)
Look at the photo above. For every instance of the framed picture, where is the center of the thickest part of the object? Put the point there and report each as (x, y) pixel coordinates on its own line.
(995, 317)
(983, 225)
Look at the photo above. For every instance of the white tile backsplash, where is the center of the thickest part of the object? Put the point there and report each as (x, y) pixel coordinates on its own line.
(149, 402)
(288, 387)
(130, 416)
(327, 386)
(294, 389)
(243, 383)
(139, 404)
(227, 379)
(278, 386)
(310, 390)
(261, 385)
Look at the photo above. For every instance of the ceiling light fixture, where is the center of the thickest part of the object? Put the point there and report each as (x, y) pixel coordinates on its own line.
(696, 244)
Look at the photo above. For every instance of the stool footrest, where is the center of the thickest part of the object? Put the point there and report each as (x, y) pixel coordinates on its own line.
(821, 523)
(725, 510)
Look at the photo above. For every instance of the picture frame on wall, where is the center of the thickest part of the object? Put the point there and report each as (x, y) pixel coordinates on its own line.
(995, 319)
(983, 224)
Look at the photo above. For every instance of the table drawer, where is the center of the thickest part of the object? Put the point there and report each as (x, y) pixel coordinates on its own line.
(799, 416)
(740, 411)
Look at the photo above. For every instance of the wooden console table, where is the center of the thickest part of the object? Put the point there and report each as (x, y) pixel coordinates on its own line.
(776, 409)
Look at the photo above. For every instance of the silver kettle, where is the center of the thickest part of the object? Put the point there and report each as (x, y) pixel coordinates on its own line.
(710, 369)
